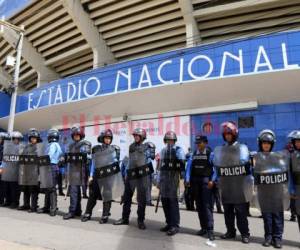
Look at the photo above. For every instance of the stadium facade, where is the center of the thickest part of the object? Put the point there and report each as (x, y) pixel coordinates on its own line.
(181, 65)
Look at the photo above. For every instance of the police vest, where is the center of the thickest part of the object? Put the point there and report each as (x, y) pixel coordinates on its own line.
(170, 161)
(201, 166)
(105, 165)
(138, 161)
(75, 156)
(29, 155)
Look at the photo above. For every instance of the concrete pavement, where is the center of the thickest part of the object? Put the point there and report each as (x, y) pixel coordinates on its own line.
(22, 230)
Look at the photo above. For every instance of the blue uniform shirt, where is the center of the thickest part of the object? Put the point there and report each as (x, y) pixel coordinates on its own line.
(188, 170)
(54, 151)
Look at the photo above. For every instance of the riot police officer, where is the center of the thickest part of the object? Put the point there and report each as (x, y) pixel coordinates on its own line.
(76, 157)
(105, 175)
(294, 187)
(137, 177)
(3, 136)
(199, 173)
(49, 172)
(171, 169)
(29, 172)
(235, 181)
(271, 178)
(10, 172)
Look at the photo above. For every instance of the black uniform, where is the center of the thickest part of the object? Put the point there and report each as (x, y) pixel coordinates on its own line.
(76, 174)
(28, 178)
(138, 177)
(201, 170)
(172, 164)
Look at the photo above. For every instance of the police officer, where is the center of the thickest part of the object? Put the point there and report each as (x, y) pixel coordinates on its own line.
(271, 177)
(233, 174)
(294, 185)
(105, 175)
(137, 177)
(76, 157)
(171, 169)
(49, 181)
(29, 172)
(199, 175)
(11, 169)
(3, 136)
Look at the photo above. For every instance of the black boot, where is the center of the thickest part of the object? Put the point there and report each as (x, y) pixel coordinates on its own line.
(106, 212)
(24, 207)
(32, 210)
(86, 217)
(165, 228)
(210, 235)
(267, 242)
(245, 239)
(68, 216)
(277, 243)
(103, 220)
(43, 210)
(228, 235)
(121, 222)
(202, 232)
(172, 231)
(141, 225)
(53, 212)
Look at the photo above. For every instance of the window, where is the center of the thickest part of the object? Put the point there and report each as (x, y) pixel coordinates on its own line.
(246, 122)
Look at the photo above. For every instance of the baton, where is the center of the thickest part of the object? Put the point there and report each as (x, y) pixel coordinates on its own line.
(157, 202)
(65, 198)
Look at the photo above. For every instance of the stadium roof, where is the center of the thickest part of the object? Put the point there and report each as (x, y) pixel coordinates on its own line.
(65, 37)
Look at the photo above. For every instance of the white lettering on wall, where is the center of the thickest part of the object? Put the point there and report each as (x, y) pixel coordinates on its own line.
(261, 54)
(145, 77)
(127, 76)
(210, 65)
(238, 58)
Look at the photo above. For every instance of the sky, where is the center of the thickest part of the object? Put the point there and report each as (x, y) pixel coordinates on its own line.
(9, 7)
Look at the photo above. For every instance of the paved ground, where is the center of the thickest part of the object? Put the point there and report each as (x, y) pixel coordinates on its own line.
(21, 230)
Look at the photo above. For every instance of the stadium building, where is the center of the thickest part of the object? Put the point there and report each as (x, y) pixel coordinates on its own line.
(185, 65)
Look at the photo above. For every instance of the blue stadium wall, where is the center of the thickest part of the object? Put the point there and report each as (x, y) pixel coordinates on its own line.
(281, 118)
(4, 106)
